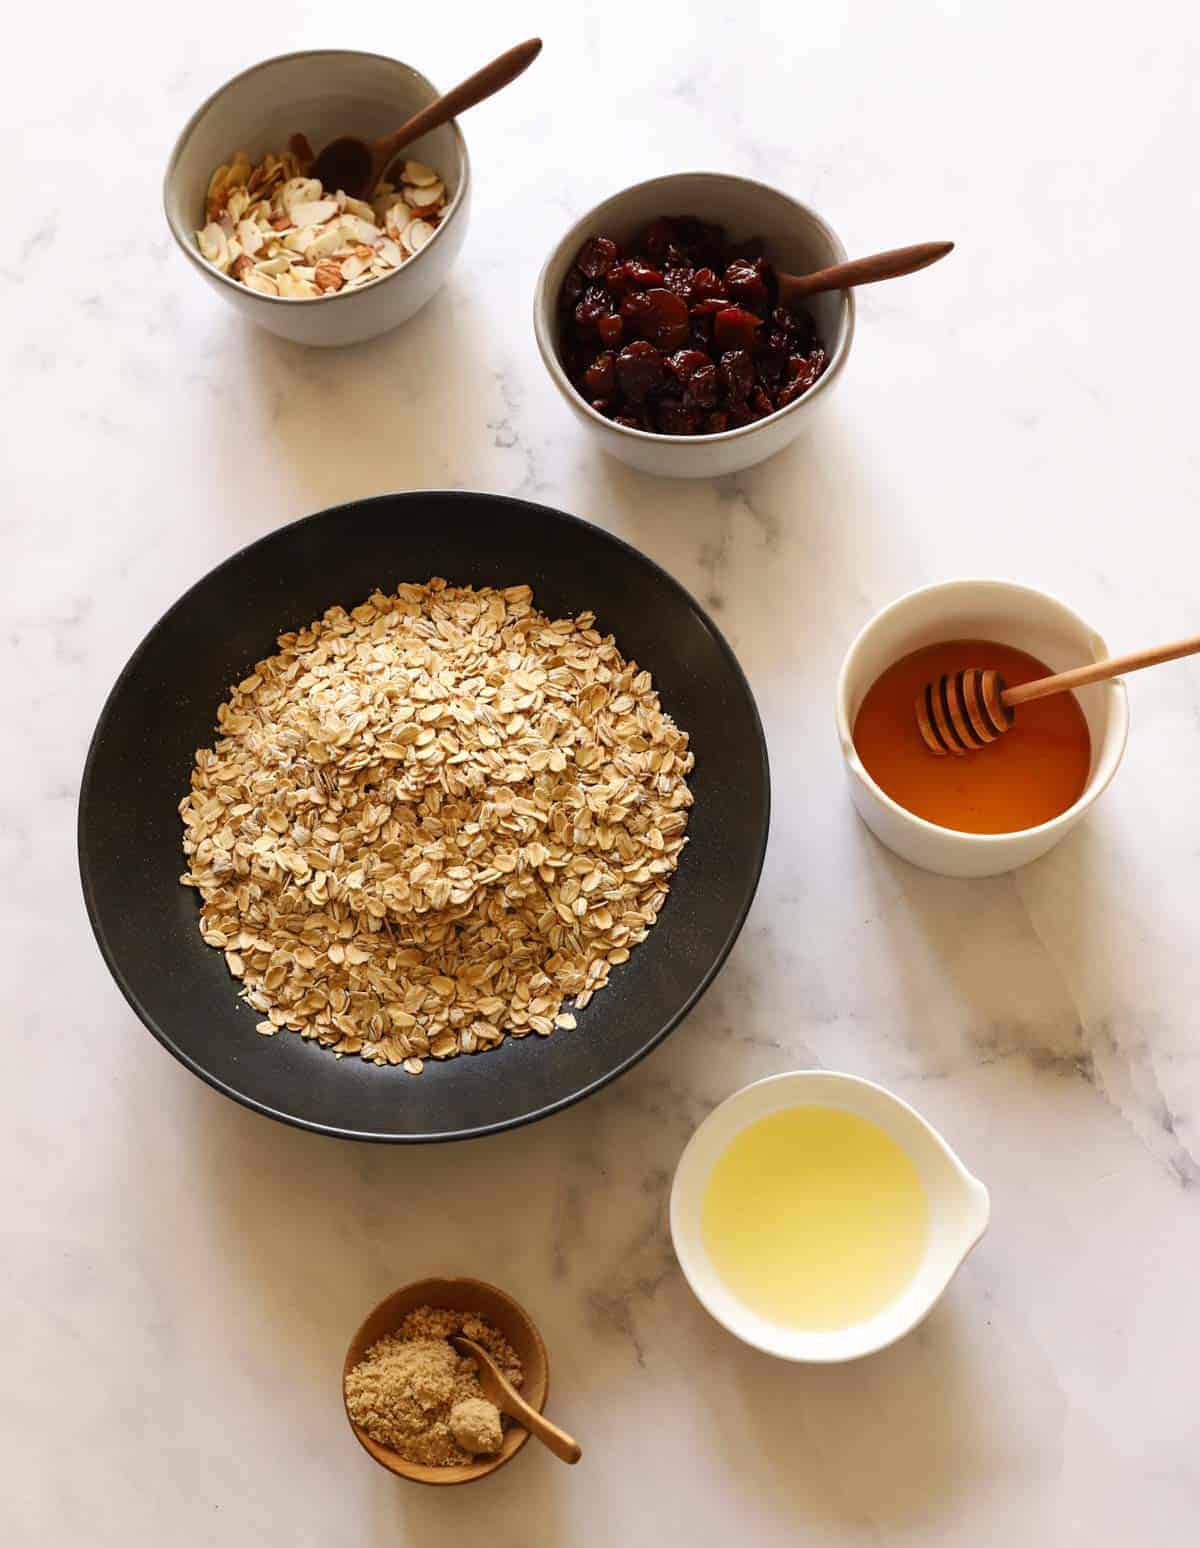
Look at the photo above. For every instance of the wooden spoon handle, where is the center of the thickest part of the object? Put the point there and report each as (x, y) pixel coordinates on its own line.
(565, 1447)
(484, 83)
(1100, 671)
(865, 271)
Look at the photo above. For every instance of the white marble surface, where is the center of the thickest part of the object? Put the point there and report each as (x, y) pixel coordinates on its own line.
(180, 1276)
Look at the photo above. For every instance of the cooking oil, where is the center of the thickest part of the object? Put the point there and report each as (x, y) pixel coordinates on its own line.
(815, 1218)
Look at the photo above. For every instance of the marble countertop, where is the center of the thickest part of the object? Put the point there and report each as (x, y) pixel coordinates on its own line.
(181, 1276)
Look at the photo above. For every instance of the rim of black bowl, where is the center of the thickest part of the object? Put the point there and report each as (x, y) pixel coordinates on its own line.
(481, 1130)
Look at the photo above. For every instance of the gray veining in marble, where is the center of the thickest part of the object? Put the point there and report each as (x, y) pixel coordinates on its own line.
(180, 1276)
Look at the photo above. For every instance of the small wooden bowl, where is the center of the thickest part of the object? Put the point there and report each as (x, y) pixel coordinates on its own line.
(467, 1295)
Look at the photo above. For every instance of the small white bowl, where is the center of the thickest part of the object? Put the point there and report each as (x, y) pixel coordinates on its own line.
(1011, 614)
(958, 1212)
(323, 93)
(797, 241)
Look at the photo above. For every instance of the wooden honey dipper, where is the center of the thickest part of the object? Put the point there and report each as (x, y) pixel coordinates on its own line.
(960, 714)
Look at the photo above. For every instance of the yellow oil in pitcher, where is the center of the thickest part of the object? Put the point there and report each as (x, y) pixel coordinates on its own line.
(815, 1218)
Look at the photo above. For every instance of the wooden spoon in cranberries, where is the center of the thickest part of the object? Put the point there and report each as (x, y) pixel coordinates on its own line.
(684, 334)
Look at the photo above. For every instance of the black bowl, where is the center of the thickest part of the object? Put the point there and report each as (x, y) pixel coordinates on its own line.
(163, 706)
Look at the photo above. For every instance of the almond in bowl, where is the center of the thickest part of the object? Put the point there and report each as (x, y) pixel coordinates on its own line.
(280, 233)
(328, 92)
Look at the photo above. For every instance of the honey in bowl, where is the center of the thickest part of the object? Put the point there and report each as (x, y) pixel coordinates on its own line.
(1031, 774)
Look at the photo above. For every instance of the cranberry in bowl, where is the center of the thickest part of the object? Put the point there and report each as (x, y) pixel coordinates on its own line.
(657, 319)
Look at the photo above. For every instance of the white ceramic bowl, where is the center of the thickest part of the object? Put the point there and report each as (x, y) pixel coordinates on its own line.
(958, 1212)
(797, 241)
(1013, 615)
(323, 93)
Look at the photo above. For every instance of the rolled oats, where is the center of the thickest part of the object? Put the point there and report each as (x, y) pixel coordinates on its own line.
(429, 822)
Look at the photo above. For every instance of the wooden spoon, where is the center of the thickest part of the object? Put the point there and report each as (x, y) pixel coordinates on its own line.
(499, 1390)
(355, 166)
(960, 714)
(859, 271)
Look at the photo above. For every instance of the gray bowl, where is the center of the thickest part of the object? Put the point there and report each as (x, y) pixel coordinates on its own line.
(797, 241)
(324, 93)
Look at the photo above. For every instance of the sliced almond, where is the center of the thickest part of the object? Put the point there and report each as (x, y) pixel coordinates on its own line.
(425, 197)
(216, 183)
(328, 276)
(278, 231)
(312, 212)
(360, 230)
(239, 171)
(418, 234)
(418, 174)
(250, 236)
(295, 289)
(399, 217)
(299, 190)
(323, 245)
(214, 244)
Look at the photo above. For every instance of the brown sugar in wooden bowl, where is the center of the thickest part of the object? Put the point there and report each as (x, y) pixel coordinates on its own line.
(466, 1295)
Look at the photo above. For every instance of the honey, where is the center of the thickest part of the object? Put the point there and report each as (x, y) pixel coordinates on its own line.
(815, 1218)
(1032, 773)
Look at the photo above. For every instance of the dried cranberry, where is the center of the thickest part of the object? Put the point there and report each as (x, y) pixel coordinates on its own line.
(596, 255)
(674, 418)
(704, 387)
(707, 285)
(593, 305)
(679, 281)
(734, 328)
(636, 311)
(639, 370)
(682, 336)
(760, 403)
(803, 333)
(769, 365)
(701, 333)
(633, 274)
(745, 283)
(600, 378)
(737, 373)
(610, 328)
(684, 365)
(667, 323)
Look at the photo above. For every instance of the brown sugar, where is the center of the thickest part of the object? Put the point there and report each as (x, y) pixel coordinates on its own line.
(415, 1394)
